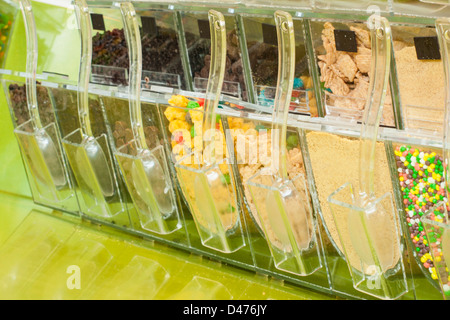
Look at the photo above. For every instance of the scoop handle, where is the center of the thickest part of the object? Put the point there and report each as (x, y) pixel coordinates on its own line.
(133, 38)
(215, 80)
(380, 33)
(443, 31)
(85, 24)
(31, 65)
(285, 82)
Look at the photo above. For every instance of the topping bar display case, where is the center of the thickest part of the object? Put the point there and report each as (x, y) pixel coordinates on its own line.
(302, 140)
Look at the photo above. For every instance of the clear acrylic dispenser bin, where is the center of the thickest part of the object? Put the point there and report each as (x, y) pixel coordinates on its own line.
(110, 61)
(249, 142)
(420, 77)
(436, 220)
(203, 169)
(437, 230)
(342, 58)
(197, 38)
(160, 32)
(88, 147)
(360, 217)
(145, 170)
(282, 200)
(260, 39)
(37, 131)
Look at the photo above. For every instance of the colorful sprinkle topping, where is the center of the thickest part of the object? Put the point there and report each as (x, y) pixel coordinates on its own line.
(421, 178)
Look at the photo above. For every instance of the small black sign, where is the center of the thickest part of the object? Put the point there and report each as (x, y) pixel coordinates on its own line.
(97, 21)
(269, 32)
(149, 26)
(203, 29)
(345, 40)
(427, 48)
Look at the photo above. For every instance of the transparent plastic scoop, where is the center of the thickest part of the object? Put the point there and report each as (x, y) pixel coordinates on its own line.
(89, 156)
(147, 176)
(212, 199)
(282, 201)
(94, 151)
(368, 139)
(40, 145)
(359, 215)
(435, 221)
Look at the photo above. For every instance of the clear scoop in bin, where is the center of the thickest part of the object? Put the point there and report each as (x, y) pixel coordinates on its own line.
(437, 229)
(367, 224)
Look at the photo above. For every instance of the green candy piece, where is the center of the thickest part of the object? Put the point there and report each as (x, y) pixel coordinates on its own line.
(192, 131)
(292, 140)
(218, 118)
(226, 178)
(260, 127)
(192, 105)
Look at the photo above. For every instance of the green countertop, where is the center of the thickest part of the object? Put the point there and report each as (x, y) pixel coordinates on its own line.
(45, 254)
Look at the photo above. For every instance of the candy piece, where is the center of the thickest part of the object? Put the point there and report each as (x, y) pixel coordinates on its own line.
(260, 127)
(446, 288)
(172, 113)
(292, 140)
(178, 101)
(196, 115)
(192, 105)
(298, 83)
(177, 125)
(226, 178)
(418, 174)
(322, 86)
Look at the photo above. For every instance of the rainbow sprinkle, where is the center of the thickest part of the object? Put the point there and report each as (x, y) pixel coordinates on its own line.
(421, 179)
